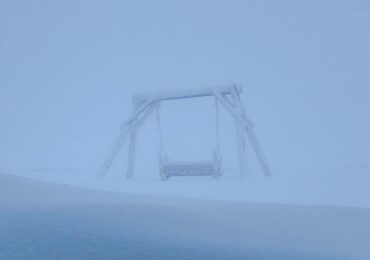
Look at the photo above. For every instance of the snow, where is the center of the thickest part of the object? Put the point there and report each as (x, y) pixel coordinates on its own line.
(44, 220)
(68, 70)
(336, 187)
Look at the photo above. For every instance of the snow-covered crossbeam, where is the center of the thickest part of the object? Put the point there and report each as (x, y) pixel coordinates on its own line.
(188, 93)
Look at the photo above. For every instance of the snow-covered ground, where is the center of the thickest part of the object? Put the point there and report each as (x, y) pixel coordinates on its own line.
(44, 220)
(334, 187)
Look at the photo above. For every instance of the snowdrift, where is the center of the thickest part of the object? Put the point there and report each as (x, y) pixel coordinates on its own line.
(42, 220)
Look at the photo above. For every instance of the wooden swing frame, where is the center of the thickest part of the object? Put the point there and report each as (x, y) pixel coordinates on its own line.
(146, 104)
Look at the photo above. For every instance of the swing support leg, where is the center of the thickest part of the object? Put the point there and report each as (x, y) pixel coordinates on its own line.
(131, 154)
(129, 128)
(132, 145)
(240, 135)
(114, 151)
(133, 137)
(242, 156)
(241, 117)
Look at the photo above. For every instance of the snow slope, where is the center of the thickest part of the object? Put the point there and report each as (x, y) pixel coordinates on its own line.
(331, 187)
(42, 220)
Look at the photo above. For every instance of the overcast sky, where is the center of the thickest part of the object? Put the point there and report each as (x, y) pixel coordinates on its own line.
(68, 70)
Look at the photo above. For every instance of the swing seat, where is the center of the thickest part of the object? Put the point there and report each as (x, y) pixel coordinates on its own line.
(198, 168)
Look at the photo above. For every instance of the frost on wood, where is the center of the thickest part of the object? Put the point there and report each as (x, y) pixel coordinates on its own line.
(207, 168)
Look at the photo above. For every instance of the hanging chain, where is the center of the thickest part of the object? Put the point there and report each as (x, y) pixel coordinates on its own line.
(162, 150)
(217, 128)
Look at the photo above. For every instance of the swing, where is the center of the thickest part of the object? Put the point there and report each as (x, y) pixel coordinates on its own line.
(146, 104)
(169, 168)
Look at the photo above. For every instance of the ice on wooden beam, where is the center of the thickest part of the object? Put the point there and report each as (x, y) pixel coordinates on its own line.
(187, 93)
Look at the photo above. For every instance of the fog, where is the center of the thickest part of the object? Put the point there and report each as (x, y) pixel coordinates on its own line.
(69, 69)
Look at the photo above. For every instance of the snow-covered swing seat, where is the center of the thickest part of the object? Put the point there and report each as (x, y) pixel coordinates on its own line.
(169, 168)
(191, 168)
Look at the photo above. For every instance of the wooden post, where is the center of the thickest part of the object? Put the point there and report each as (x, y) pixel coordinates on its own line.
(131, 153)
(133, 136)
(240, 136)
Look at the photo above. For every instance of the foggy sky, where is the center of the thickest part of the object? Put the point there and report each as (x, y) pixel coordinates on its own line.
(68, 70)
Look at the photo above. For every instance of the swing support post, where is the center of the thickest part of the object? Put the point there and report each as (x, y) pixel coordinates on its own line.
(240, 135)
(146, 104)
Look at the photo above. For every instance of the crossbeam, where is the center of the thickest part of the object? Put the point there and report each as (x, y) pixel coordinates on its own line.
(187, 93)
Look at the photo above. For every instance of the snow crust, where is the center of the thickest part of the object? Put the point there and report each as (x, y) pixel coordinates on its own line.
(43, 220)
